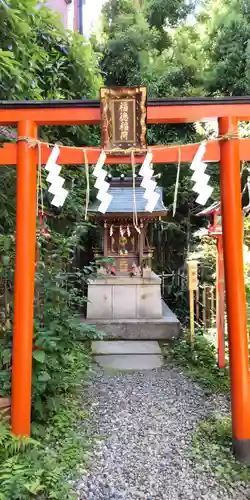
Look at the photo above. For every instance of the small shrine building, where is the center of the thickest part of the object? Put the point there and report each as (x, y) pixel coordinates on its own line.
(126, 231)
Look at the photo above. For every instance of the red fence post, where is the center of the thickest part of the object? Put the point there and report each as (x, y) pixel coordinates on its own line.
(24, 281)
(220, 304)
(230, 188)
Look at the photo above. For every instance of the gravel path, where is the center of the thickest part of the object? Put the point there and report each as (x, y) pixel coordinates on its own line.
(144, 422)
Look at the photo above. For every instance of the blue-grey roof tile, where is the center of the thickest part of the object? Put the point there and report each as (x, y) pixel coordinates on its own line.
(122, 201)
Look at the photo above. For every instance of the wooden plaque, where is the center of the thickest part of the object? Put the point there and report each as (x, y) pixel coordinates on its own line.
(124, 118)
(192, 275)
(123, 266)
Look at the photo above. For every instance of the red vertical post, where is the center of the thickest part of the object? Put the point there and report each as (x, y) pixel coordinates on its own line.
(230, 188)
(24, 281)
(220, 305)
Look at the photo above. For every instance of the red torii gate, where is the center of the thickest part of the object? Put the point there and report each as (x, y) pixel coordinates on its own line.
(27, 116)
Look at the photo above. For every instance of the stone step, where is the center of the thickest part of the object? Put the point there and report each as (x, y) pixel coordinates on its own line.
(127, 355)
(105, 347)
(130, 362)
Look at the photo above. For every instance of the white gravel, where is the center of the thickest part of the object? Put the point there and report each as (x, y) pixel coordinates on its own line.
(144, 421)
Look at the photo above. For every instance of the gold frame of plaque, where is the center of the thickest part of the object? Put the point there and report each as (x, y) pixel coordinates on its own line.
(124, 119)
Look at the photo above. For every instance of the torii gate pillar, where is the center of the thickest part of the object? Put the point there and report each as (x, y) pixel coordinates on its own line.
(230, 188)
(24, 281)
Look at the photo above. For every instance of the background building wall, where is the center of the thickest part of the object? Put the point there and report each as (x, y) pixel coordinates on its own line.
(69, 12)
(61, 7)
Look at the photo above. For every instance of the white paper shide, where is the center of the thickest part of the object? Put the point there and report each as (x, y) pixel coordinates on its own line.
(147, 172)
(56, 182)
(103, 196)
(200, 178)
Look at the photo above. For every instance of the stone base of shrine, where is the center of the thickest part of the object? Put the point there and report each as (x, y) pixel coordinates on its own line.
(123, 297)
(130, 308)
(165, 328)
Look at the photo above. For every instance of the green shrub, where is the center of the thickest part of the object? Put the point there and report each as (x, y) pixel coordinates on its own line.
(212, 450)
(31, 468)
(199, 361)
(40, 467)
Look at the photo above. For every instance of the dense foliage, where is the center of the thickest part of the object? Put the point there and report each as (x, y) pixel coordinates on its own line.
(61, 359)
(199, 361)
(212, 450)
(40, 60)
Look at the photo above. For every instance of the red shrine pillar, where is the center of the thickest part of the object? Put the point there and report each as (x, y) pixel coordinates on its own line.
(24, 281)
(230, 188)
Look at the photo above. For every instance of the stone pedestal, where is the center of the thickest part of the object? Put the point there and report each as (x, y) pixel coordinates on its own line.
(130, 308)
(123, 297)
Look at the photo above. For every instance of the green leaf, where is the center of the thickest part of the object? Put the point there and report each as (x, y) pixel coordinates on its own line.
(35, 486)
(39, 356)
(5, 260)
(44, 377)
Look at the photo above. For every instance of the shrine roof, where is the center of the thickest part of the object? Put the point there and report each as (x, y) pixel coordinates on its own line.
(123, 195)
(209, 210)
